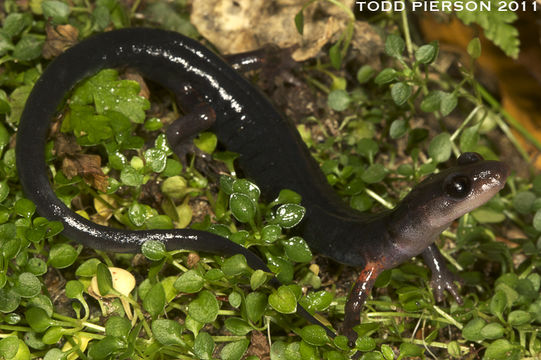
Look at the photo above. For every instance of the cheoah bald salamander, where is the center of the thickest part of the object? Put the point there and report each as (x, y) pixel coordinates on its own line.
(272, 154)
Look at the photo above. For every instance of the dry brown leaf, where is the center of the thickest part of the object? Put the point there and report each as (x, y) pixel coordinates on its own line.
(89, 167)
(259, 346)
(59, 39)
(236, 26)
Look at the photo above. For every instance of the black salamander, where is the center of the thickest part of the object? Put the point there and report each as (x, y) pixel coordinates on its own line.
(272, 154)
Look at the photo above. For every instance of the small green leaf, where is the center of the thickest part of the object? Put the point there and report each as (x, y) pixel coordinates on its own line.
(204, 308)
(15, 23)
(319, 301)
(154, 301)
(235, 298)
(207, 142)
(235, 265)
(537, 220)
(400, 92)
(288, 196)
(105, 279)
(297, 249)
(367, 148)
(365, 343)
(492, 331)
(432, 101)
(299, 22)
(338, 100)
(394, 46)
(375, 173)
(52, 335)
(153, 124)
(28, 48)
(153, 250)
(523, 202)
(485, 215)
(55, 10)
(246, 187)
(440, 147)
(289, 215)
(387, 352)
(25, 208)
(237, 326)
(175, 187)
(448, 103)
(106, 347)
(271, 233)
(243, 207)
(499, 350)
(118, 327)
(283, 300)
(335, 55)
(137, 213)
(409, 351)
(172, 168)
(190, 282)
(519, 317)
(88, 268)
(234, 350)
(469, 138)
(9, 347)
(74, 289)
(38, 319)
(474, 48)
(62, 255)
(131, 177)
(167, 332)
(386, 76)
(203, 346)
(257, 279)
(426, 54)
(156, 159)
(9, 300)
(498, 303)
(314, 335)
(398, 128)
(472, 330)
(365, 73)
(256, 304)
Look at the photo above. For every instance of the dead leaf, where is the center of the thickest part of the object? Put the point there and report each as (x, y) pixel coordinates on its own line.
(259, 346)
(136, 76)
(236, 26)
(59, 39)
(192, 260)
(66, 145)
(89, 167)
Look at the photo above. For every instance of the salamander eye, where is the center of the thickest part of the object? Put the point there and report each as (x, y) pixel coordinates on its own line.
(469, 158)
(457, 186)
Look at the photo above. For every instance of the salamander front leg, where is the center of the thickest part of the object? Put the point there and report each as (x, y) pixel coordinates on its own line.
(442, 278)
(357, 297)
(181, 132)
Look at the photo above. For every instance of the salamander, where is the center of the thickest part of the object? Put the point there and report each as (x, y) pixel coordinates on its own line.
(271, 153)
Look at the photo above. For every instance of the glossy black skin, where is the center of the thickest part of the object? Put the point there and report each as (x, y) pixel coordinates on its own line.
(272, 154)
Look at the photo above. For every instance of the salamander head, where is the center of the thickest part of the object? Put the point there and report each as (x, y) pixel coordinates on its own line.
(444, 197)
(463, 188)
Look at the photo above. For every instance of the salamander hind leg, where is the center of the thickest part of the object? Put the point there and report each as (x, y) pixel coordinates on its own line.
(442, 278)
(182, 131)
